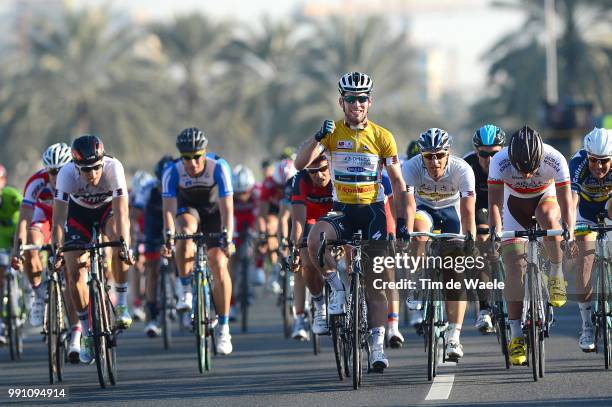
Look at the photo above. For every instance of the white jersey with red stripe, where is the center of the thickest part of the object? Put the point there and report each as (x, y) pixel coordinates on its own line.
(38, 191)
(553, 172)
(71, 185)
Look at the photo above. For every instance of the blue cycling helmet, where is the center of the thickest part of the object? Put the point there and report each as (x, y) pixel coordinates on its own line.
(489, 135)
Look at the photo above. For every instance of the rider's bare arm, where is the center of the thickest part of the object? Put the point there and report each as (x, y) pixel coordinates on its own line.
(467, 210)
(568, 207)
(25, 218)
(121, 209)
(169, 210)
(60, 214)
(496, 202)
(226, 207)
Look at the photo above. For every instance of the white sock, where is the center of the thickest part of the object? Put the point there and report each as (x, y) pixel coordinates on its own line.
(515, 328)
(334, 281)
(122, 291)
(454, 331)
(319, 301)
(394, 324)
(300, 317)
(556, 270)
(585, 313)
(378, 336)
(84, 320)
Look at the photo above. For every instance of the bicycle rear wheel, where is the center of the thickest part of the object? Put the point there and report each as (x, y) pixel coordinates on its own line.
(336, 327)
(95, 305)
(286, 303)
(244, 294)
(316, 339)
(502, 332)
(52, 331)
(166, 294)
(13, 331)
(111, 338)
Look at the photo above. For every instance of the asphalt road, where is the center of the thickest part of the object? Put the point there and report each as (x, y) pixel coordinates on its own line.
(267, 370)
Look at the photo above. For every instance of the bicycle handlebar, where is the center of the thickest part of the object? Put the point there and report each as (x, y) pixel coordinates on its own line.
(596, 228)
(91, 246)
(438, 236)
(532, 233)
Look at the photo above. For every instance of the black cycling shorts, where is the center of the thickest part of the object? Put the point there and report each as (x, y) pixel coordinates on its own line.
(347, 219)
(207, 222)
(81, 221)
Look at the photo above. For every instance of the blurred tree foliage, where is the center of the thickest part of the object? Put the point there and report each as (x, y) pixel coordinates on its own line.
(517, 62)
(253, 88)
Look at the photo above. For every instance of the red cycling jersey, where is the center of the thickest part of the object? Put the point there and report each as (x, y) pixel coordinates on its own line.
(38, 194)
(318, 200)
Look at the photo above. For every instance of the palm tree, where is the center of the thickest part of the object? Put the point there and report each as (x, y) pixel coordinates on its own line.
(83, 75)
(517, 61)
(192, 45)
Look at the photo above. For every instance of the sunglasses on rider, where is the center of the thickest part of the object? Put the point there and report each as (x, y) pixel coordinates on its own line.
(437, 156)
(601, 161)
(53, 171)
(90, 168)
(189, 157)
(351, 99)
(316, 170)
(486, 154)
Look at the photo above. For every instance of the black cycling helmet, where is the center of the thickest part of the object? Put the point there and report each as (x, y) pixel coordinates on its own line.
(87, 150)
(489, 135)
(190, 140)
(525, 150)
(413, 149)
(161, 166)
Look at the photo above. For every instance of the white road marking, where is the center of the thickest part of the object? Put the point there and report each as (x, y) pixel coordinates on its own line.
(441, 387)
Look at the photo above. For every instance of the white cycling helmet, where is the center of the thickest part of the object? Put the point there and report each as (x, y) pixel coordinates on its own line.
(243, 179)
(355, 82)
(139, 180)
(57, 155)
(599, 142)
(283, 171)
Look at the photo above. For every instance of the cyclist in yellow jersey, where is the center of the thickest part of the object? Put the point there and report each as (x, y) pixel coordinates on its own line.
(357, 149)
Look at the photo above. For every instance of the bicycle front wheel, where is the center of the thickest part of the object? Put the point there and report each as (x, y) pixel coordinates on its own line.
(356, 331)
(604, 310)
(431, 341)
(51, 328)
(200, 324)
(95, 305)
(533, 345)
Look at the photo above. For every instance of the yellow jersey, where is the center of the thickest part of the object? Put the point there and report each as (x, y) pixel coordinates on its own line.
(356, 157)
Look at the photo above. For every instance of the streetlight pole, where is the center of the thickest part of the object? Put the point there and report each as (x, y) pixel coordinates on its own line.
(552, 86)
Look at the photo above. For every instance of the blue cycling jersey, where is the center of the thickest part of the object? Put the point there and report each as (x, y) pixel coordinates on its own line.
(586, 185)
(202, 191)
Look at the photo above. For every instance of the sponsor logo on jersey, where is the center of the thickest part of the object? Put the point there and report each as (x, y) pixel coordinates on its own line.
(355, 169)
(344, 145)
